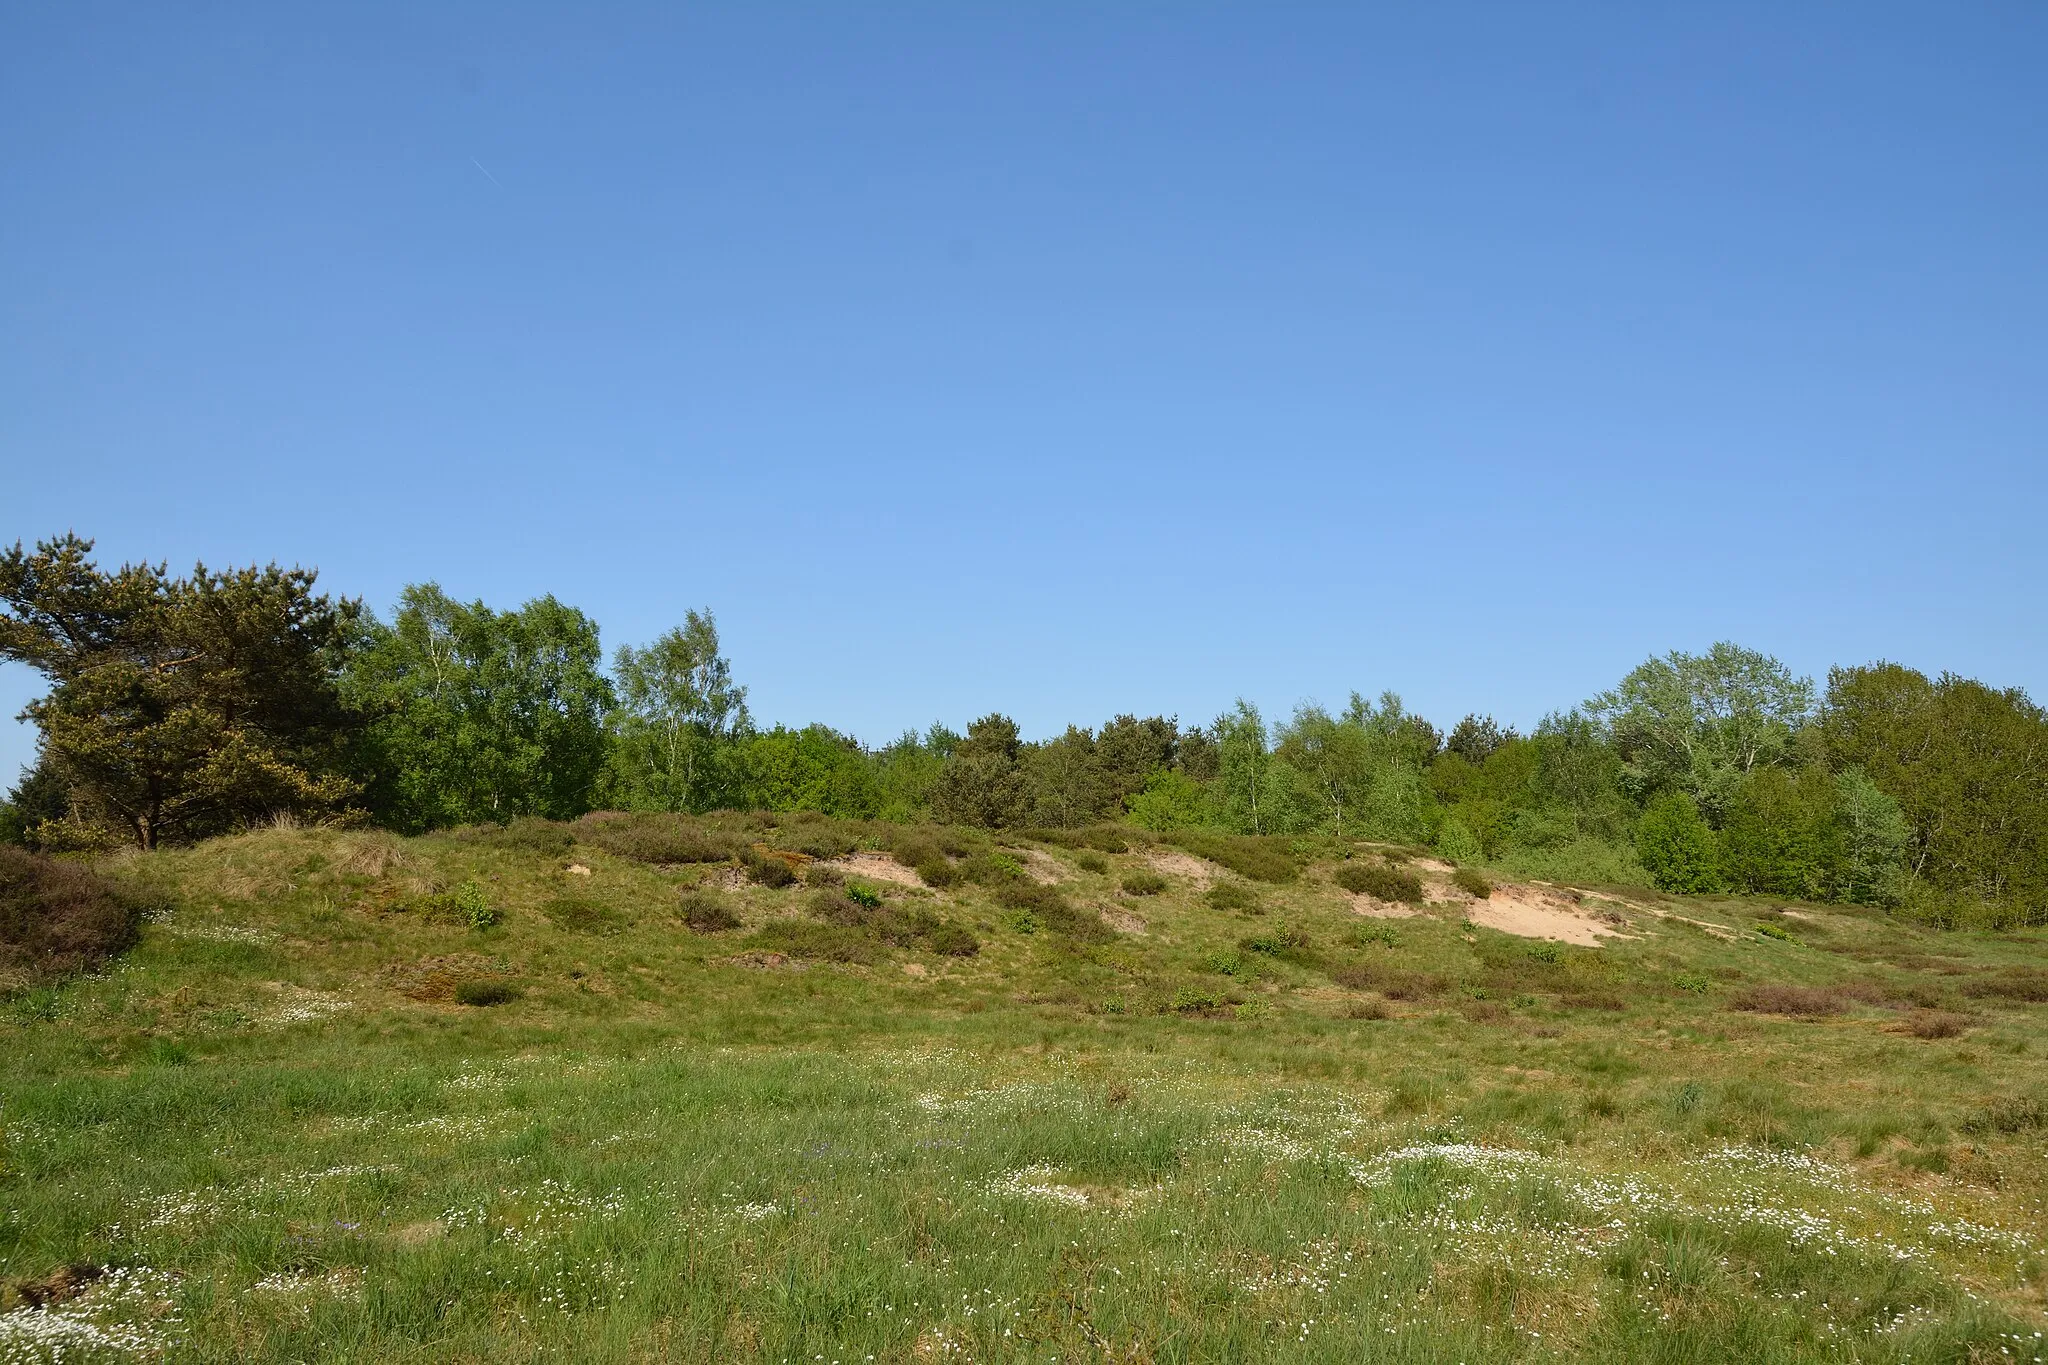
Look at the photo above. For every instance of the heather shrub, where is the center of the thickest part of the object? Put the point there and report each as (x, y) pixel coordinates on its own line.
(1234, 896)
(1472, 882)
(582, 916)
(59, 917)
(820, 874)
(950, 940)
(820, 942)
(1143, 883)
(1089, 861)
(936, 872)
(1380, 882)
(1801, 1001)
(765, 869)
(706, 913)
(658, 838)
(483, 991)
(1262, 858)
(528, 834)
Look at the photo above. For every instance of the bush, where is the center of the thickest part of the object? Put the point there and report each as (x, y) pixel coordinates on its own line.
(484, 991)
(1262, 858)
(1092, 862)
(1776, 931)
(1676, 846)
(936, 872)
(1276, 941)
(992, 869)
(836, 907)
(1932, 1024)
(1143, 883)
(766, 869)
(1234, 896)
(950, 940)
(465, 905)
(817, 942)
(818, 874)
(57, 917)
(706, 913)
(1395, 983)
(1196, 1000)
(1472, 882)
(528, 834)
(1806, 1002)
(861, 894)
(582, 917)
(2014, 983)
(1380, 882)
(657, 838)
(1048, 908)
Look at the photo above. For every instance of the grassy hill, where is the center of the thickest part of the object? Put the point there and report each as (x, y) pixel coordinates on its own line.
(1093, 1097)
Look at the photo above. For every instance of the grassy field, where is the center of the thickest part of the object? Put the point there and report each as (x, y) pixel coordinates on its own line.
(1217, 1119)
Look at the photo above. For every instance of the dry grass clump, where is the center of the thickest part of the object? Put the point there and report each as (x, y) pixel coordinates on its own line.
(59, 917)
(1933, 1024)
(1396, 983)
(767, 869)
(1800, 1002)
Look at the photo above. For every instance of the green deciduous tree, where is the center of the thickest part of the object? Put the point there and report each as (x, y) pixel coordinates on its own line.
(679, 713)
(1700, 723)
(1677, 846)
(814, 768)
(1874, 838)
(1778, 834)
(480, 715)
(181, 707)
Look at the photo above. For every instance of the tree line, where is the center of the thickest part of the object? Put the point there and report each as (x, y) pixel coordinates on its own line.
(184, 707)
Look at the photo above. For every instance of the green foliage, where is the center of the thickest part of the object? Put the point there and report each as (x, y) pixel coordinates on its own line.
(982, 783)
(485, 991)
(1064, 783)
(528, 834)
(678, 713)
(1472, 882)
(860, 893)
(934, 871)
(469, 905)
(1874, 838)
(477, 715)
(1379, 881)
(178, 708)
(950, 940)
(706, 913)
(812, 769)
(1778, 834)
(1235, 896)
(1776, 931)
(1091, 861)
(658, 838)
(819, 942)
(1700, 723)
(1143, 883)
(1475, 738)
(1278, 941)
(1131, 752)
(1173, 801)
(1456, 841)
(1676, 846)
(906, 771)
(59, 917)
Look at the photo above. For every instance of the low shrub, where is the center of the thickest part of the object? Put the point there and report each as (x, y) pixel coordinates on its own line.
(57, 917)
(911, 850)
(1370, 1008)
(658, 838)
(1195, 1000)
(484, 991)
(2029, 984)
(1695, 983)
(950, 940)
(821, 874)
(2011, 1114)
(1932, 1024)
(816, 942)
(1396, 983)
(1266, 858)
(1051, 910)
(766, 869)
(1275, 942)
(1143, 883)
(1380, 882)
(706, 913)
(527, 834)
(1224, 964)
(1546, 952)
(1774, 931)
(836, 907)
(1379, 932)
(581, 916)
(1089, 861)
(860, 893)
(992, 869)
(1472, 882)
(1234, 896)
(936, 872)
(1805, 1002)
(466, 905)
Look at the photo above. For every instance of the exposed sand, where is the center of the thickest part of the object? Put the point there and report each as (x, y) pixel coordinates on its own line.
(1124, 922)
(1379, 909)
(1539, 912)
(875, 867)
(1174, 864)
(1042, 867)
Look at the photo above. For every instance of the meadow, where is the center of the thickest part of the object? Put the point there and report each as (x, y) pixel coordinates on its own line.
(812, 1090)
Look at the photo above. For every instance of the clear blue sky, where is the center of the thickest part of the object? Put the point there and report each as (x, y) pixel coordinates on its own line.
(1059, 359)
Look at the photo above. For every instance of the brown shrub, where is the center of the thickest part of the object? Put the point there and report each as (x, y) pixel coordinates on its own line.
(706, 913)
(1805, 1002)
(1936, 1023)
(1396, 983)
(59, 917)
(2014, 983)
(1379, 882)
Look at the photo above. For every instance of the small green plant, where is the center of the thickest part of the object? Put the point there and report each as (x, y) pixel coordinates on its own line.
(706, 913)
(1022, 921)
(484, 991)
(1250, 1010)
(1224, 963)
(1546, 951)
(1380, 882)
(471, 906)
(1235, 896)
(1195, 1000)
(1143, 883)
(1472, 882)
(1275, 941)
(1114, 1005)
(864, 895)
(1380, 933)
(1773, 931)
(1697, 983)
(1091, 861)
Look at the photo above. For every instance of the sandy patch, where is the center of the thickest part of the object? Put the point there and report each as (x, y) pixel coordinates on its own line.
(1539, 912)
(1124, 922)
(1042, 867)
(1175, 864)
(875, 867)
(1379, 909)
(916, 969)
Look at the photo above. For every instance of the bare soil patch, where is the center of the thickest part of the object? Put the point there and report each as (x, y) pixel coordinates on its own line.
(1379, 909)
(1174, 864)
(1539, 912)
(875, 867)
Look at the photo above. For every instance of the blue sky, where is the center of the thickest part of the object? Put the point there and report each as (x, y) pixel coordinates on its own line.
(1063, 360)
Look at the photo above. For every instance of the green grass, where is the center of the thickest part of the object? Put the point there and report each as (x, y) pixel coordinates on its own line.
(279, 1125)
